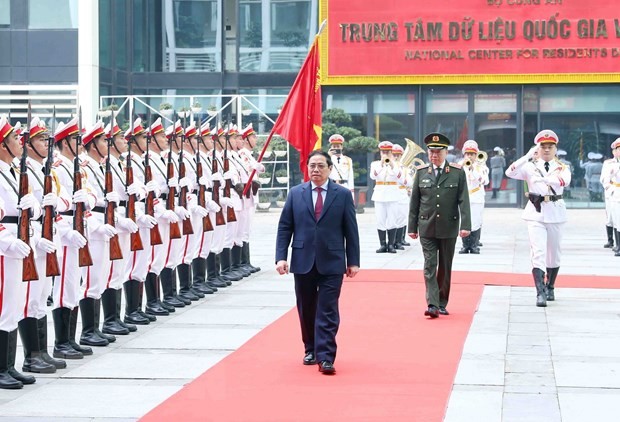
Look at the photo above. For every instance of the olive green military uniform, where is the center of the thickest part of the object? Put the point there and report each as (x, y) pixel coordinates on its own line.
(439, 208)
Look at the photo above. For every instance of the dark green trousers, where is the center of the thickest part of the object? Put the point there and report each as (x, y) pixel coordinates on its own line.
(438, 255)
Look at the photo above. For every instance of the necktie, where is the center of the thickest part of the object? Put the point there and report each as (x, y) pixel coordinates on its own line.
(13, 173)
(437, 172)
(547, 166)
(318, 207)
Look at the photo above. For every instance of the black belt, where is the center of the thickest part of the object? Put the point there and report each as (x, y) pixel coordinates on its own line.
(545, 198)
(98, 209)
(67, 213)
(10, 220)
(123, 203)
(164, 196)
(209, 189)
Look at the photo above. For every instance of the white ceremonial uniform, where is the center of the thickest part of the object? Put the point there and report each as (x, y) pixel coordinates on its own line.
(248, 163)
(386, 193)
(404, 189)
(232, 227)
(477, 178)
(219, 232)
(66, 289)
(191, 243)
(206, 237)
(610, 179)
(544, 227)
(342, 171)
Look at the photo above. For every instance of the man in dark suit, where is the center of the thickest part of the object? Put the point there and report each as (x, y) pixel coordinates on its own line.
(319, 216)
(438, 212)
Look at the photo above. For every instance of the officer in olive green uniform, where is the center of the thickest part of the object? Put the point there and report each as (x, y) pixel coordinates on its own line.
(438, 213)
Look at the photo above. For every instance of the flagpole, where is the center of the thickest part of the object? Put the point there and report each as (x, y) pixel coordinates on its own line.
(271, 133)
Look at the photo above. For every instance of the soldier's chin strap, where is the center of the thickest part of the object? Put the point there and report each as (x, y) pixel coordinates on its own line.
(69, 146)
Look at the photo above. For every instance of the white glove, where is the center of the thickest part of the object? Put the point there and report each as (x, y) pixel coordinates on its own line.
(18, 249)
(75, 240)
(213, 206)
(145, 221)
(229, 175)
(185, 182)
(46, 246)
(51, 199)
(136, 188)
(127, 224)
(80, 196)
(217, 177)
(182, 212)
(256, 166)
(170, 216)
(226, 202)
(173, 182)
(152, 186)
(27, 202)
(200, 211)
(106, 230)
(205, 181)
(531, 152)
(112, 197)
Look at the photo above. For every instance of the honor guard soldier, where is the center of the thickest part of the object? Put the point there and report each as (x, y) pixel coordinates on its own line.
(387, 175)
(66, 290)
(342, 170)
(610, 178)
(498, 164)
(477, 174)
(13, 251)
(593, 168)
(404, 192)
(545, 211)
(100, 234)
(53, 198)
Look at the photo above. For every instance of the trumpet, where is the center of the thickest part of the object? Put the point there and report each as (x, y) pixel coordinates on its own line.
(386, 161)
(467, 163)
(482, 157)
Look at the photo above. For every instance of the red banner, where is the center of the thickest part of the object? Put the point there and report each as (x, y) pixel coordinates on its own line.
(398, 41)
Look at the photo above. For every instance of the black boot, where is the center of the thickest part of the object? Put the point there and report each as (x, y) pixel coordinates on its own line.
(539, 281)
(226, 266)
(42, 332)
(382, 242)
(168, 290)
(403, 235)
(552, 274)
(132, 292)
(25, 379)
(218, 270)
(153, 305)
(88, 336)
(494, 196)
(186, 286)
(62, 347)
(151, 318)
(466, 241)
(616, 248)
(97, 308)
(610, 237)
(119, 299)
(397, 245)
(7, 382)
(235, 256)
(478, 243)
(110, 322)
(28, 332)
(212, 278)
(473, 242)
(391, 233)
(199, 274)
(73, 317)
(245, 258)
(175, 278)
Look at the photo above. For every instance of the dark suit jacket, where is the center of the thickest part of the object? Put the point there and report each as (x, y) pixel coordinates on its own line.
(332, 242)
(434, 206)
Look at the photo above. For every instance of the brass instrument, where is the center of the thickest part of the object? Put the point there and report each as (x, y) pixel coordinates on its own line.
(467, 163)
(409, 158)
(386, 161)
(482, 157)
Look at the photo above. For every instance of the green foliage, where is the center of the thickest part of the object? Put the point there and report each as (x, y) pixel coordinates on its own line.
(165, 106)
(337, 116)
(112, 107)
(254, 35)
(387, 123)
(362, 144)
(281, 173)
(349, 132)
(291, 38)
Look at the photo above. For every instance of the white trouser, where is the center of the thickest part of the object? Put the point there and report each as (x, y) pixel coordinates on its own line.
(12, 293)
(243, 226)
(119, 269)
(231, 230)
(614, 213)
(205, 242)
(545, 248)
(95, 277)
(219, 232)
(386, 215)
(138, 262)
(608, 212)
(191, 244)
(476, 211)
(402, 214)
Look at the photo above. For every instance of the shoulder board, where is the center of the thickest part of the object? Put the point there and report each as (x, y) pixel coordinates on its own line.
(84, 163)
(456, 165)
(423, 166)
(57, 163)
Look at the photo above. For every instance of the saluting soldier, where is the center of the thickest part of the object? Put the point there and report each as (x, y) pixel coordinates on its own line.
(342, 170)
(387, 176)
(477, 178)
(13, 290)
(610, 179)
(545, 211)
(438, 213)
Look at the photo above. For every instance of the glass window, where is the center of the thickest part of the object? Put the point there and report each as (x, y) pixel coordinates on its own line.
(104, 34)
(395, 117)
(52, 14)
(193, 35)
(120, 40)
(5, 15)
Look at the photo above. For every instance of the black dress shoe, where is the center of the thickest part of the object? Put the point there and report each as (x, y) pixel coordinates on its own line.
(309, 359)
(432, 311)
(327, 367)
(443, 310)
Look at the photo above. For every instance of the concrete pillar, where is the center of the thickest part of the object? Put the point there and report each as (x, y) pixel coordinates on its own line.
(88, 60)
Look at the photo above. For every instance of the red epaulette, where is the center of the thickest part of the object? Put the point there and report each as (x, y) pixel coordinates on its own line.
(456, 165)
(422, 166)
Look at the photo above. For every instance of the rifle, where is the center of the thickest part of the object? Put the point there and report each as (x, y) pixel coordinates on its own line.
(187, 223)
(175, 231)
(115, 246)
(149, 206)
(47, 230)
(23, 232)
(207, 226)
(230, 211)
(135, 243)
(79, 225)
(215, 195)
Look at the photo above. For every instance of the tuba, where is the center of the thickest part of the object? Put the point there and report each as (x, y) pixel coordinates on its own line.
(409, 158)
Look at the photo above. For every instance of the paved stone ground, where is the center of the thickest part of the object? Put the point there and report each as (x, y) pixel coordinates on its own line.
(520, 363)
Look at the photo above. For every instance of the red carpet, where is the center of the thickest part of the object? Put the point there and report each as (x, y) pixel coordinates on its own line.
(393, 364)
